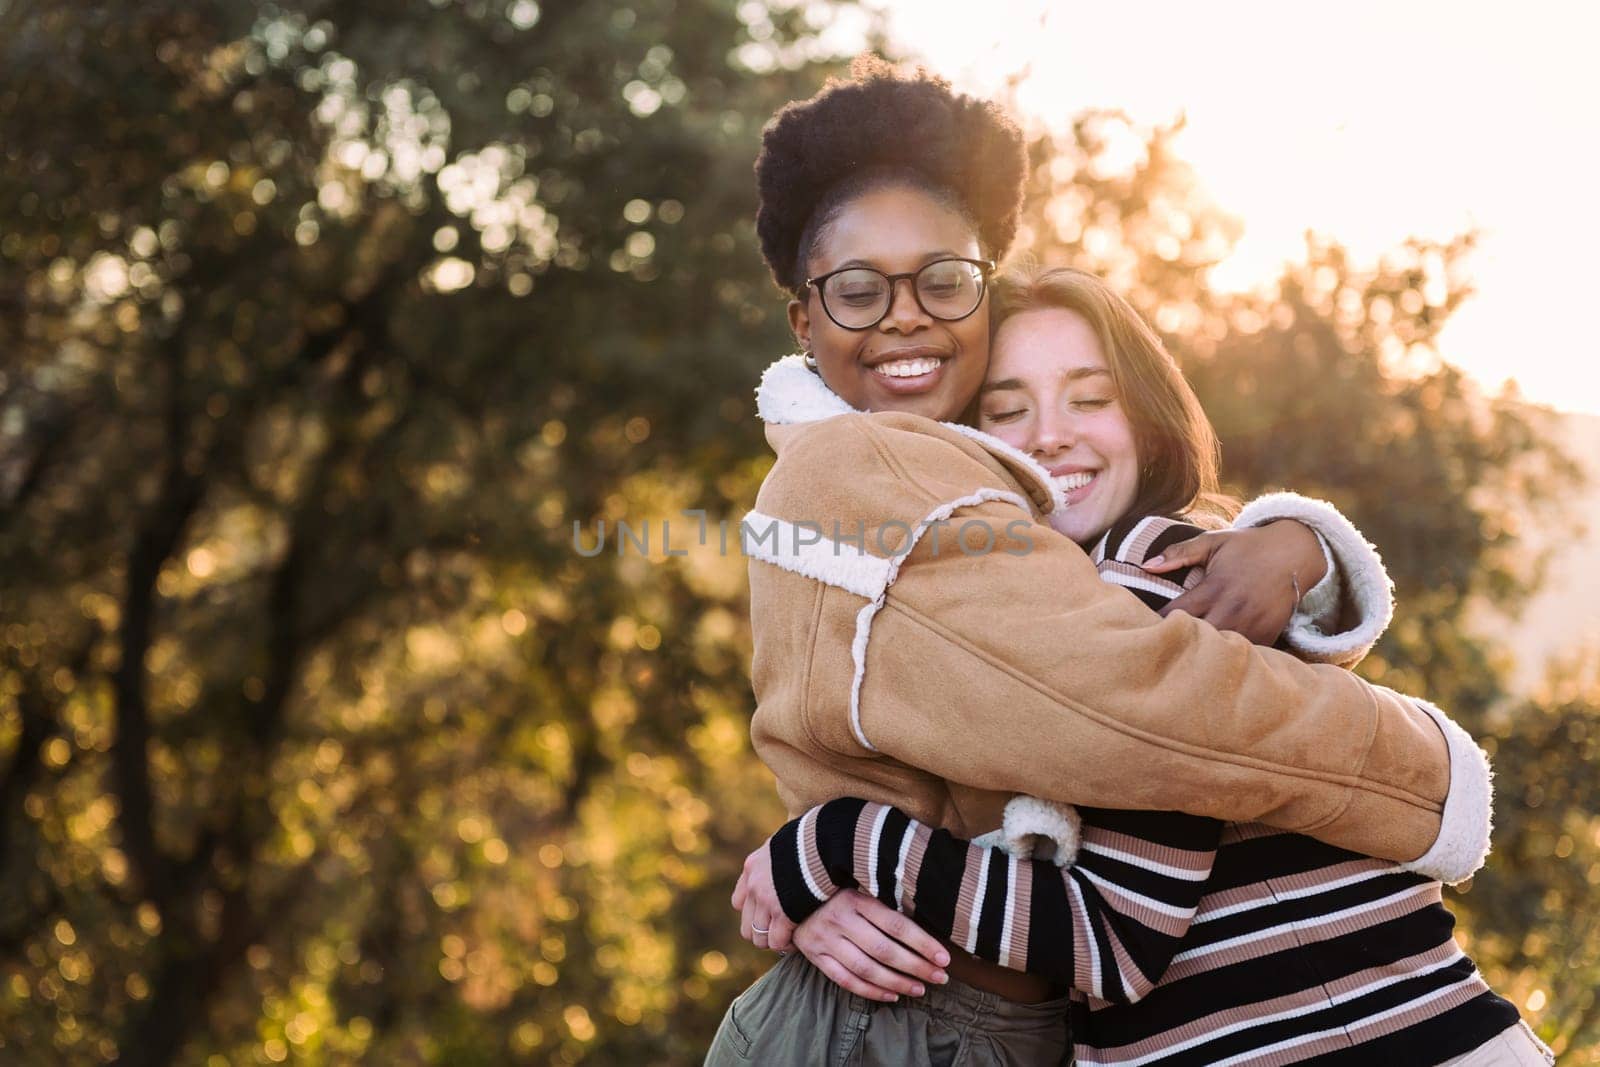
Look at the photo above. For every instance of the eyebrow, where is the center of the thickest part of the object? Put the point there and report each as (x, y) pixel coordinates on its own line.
(943, 253)
(1073, 375)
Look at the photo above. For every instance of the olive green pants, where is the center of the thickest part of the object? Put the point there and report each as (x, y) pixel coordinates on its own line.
(1517, 1046)
(793, 1015)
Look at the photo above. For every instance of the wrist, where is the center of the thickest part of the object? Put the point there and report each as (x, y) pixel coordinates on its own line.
(799, 894)
(1309, 561)
(812, 856)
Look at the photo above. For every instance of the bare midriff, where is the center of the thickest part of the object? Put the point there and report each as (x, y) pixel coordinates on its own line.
(1001, 981)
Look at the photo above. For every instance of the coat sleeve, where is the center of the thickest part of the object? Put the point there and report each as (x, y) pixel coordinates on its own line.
(1017, 669)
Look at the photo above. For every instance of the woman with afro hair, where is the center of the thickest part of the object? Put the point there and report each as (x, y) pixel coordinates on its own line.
(944, 674)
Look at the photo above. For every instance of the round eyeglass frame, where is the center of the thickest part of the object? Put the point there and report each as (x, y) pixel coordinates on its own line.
(985, 269)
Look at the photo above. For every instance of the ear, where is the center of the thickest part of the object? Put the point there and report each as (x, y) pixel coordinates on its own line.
(800, 323)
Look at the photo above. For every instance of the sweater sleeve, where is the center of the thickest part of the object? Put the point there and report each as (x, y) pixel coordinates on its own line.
(1108, 925)
(1121, 554)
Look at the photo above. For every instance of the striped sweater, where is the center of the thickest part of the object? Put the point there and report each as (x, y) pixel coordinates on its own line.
(1183, 940)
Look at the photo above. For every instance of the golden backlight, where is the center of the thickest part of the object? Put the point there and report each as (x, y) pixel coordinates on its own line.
(1365, 122)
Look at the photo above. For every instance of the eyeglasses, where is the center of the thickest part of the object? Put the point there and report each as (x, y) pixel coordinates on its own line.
(858, 298)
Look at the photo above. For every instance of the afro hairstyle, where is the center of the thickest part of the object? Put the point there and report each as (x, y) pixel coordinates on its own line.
(881, 126)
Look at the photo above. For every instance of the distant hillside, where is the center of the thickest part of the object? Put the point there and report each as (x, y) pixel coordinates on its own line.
(1565, 613)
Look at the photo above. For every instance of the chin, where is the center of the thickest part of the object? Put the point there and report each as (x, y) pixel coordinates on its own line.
(1080, 528)
(933, 407)
(928, 405)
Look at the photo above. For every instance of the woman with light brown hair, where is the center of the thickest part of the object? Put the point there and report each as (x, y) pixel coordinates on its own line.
(1177, 447)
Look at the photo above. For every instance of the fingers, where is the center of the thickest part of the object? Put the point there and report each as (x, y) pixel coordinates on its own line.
(747, 875)
(1196, 551)
(889, 983)
(1229, 613)
(755, 923)
(757, 900)
(746, 922)
(760, 927)
(896, 941)
(864, 957)
(1197, 601)
(1210, 603)
(1259, 628)
(846, 979)
(780, 935)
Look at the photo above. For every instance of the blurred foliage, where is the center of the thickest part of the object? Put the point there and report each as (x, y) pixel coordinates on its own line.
(321, 323)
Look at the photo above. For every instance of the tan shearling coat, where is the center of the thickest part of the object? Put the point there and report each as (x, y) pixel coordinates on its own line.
(945, 679)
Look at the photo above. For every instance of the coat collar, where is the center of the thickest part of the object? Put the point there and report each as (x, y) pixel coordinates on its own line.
(791, 393)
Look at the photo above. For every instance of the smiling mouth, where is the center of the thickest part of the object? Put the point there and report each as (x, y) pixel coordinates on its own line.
(914, 367)
(1069, 482)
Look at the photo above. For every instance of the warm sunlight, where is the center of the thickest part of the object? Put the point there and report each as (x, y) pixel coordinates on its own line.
(450, 612)
(1366, 122)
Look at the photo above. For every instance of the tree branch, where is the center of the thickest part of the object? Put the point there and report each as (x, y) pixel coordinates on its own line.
(176, 503)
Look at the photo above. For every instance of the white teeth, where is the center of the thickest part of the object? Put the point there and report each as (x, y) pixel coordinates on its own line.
(908, 368)
(1068, 482)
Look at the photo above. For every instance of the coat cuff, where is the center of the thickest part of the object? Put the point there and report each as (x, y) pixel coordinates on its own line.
(1037, 829)
(1356, 576)
(1463, 842)
(1319, 608)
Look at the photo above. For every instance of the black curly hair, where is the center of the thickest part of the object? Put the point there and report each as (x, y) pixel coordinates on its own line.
(882, 127)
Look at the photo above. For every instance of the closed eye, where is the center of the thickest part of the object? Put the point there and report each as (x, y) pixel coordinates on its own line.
(1093, 403)
(1004, 416)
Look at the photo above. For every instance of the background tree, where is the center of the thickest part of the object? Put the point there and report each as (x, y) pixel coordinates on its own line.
(321, 322)
(325, 318)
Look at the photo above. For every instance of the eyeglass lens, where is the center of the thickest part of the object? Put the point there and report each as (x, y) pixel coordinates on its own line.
(860, 297)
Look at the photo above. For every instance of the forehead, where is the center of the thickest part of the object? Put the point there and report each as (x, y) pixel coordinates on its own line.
(893, 228)
(1045, 344)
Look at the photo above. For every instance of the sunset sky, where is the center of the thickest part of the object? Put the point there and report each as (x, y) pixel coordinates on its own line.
(1368, 122)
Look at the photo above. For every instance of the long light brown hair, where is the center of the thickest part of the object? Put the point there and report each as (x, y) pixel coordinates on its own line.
(1177, 447)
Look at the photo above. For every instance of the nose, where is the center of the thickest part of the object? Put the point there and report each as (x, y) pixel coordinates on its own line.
(905, 315)
(1054, 432)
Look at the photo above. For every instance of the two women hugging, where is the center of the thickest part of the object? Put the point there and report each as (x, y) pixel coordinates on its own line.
(1072, 782)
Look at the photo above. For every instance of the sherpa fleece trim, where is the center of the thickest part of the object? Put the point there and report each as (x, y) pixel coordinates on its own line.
(858, 647)
(1359, 564)
(1320, 606)
(848, 566)
(792, 393)
(1463, 842)
(1058, 497)
(839, 563)
(1029, 821)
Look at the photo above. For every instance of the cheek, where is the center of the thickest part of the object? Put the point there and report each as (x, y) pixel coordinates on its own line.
(1115, 441)
(833, 345)
(973, 335)
(835, 350)
(973, 342)
(1017, 434)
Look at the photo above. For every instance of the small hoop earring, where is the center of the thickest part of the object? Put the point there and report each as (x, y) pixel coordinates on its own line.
(811, 361)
